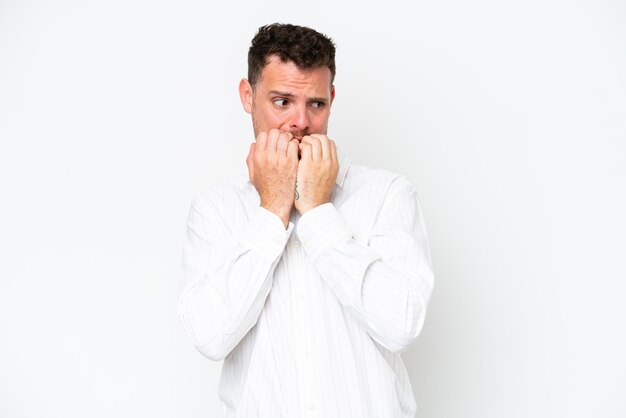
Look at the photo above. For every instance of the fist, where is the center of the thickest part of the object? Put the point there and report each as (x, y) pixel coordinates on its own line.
(317, 172)
(272, 165)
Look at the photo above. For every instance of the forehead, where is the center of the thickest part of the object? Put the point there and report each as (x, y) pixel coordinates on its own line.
(286, 76)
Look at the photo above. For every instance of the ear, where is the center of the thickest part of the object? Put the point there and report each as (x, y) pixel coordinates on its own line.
(332, 94)
(245, 94)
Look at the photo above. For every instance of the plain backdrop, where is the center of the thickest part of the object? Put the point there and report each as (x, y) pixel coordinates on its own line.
(510, 118)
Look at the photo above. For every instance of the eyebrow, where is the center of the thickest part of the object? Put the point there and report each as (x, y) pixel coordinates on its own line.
(290, 95)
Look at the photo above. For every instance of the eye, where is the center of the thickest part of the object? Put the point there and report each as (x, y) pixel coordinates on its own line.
(280, 102)
(318, 105)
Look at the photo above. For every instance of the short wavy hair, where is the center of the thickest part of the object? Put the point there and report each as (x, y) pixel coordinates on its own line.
(305, 47)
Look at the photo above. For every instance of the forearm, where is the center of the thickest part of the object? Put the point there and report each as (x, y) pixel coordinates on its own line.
(220, 308)
(390, 304)
(225, 286)
(385, 282)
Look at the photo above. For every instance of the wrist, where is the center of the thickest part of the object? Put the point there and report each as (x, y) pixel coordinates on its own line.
(304, 208)
(282, 211)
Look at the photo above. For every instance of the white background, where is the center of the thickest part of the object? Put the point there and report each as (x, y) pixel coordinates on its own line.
(510, 117)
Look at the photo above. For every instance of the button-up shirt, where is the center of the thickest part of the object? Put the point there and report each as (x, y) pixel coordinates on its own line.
(309, 320)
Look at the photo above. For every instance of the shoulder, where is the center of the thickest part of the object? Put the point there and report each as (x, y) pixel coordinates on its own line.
(377, 181)
(368, 193)
(222, 196)
(219, 210)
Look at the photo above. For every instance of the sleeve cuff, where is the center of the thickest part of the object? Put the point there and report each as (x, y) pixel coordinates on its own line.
(266, 233)
(321, 228)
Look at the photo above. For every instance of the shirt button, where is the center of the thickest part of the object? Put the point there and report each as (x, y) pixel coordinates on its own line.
(295, 243)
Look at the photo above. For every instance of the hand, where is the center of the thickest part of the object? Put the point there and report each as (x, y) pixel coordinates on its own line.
(272, 164)
(317, 172)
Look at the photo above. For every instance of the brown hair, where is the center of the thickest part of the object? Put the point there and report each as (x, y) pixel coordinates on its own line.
(303, 46)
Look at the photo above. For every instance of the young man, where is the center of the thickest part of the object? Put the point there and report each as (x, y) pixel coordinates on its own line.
(310, 277)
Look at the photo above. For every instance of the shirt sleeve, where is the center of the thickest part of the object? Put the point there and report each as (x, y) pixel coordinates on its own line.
(226, 279)
(385, 282)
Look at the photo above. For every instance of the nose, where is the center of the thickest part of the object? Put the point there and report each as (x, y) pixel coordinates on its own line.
(300, 120)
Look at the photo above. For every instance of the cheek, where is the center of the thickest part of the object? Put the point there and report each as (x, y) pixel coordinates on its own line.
(260, 118)
(319, 122)
(273, 120)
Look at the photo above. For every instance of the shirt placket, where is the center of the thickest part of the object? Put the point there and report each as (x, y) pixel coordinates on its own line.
(303, 346)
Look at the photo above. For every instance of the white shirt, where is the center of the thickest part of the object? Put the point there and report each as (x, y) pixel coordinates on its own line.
(310, 321)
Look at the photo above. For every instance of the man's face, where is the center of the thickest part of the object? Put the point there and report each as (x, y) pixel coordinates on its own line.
(289, 99)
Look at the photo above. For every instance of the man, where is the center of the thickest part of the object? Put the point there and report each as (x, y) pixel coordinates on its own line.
(312, 275)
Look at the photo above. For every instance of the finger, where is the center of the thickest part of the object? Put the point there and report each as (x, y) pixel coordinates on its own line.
(261, 141)
(292, 149)
(333, 150)
(316, 147)
(325, 146)
(305, 151)
(282, 145)
(287, 135)
(272, 139)
(283, 142)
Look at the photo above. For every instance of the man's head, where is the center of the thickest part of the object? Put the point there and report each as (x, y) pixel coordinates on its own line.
(290, 80)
